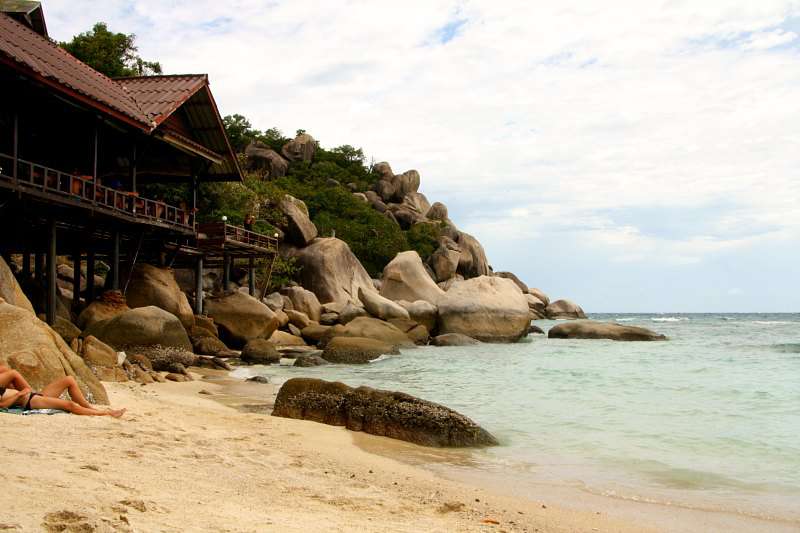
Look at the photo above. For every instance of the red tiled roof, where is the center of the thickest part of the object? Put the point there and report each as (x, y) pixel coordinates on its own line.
(159, 96)
(29, 51)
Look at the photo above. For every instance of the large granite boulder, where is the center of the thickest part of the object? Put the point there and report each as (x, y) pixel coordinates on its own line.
(150, 285)
(405, 278)
(107, 306)
(351, 312)
(387, 414)
(406, 183)
(380, 307)
(564, 309)
(589, 329)
(303, 301)
(298, 228)
(405, 216)
(536, 306)
(356, 350)
(261, 157)
(376, 201)
(437, 211)
(473, 262)
(417, 202)
(486, 308)
(143, 326)
(421, 312)
(444, 260)
(415, 331)
(102, 359)
(282, 338)
(331, 271)
(538, 293)
(369, 328)
(513, 277)
(260, 352)
(302, 148)
(32, 348)
(240, 318)
(453, 339)
(10, 291)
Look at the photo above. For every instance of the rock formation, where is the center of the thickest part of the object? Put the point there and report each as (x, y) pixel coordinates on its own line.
(144, 326)
(150, 285)
(388, 414)
(331, 271)
(241, 318)
(380, 307)
(302, 148)
(486, 308)
(298, 228)
(356, 350)
(405, 278)
(564, 309)
(261, 157)
(588, 329)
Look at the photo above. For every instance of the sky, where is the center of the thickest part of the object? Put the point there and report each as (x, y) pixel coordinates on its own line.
(633, 156)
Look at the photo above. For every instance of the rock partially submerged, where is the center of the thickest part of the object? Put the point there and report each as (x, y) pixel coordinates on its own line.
(388, 414)
(356, 350)
(454, 339)
(370, 328)
(588, 329)
(564, 309)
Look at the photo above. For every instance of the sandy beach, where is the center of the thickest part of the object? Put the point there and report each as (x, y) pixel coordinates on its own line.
(182, 461)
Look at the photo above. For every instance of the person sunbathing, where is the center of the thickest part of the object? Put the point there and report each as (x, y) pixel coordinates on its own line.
(15, 391)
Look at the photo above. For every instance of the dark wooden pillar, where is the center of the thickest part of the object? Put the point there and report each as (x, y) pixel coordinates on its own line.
(90, 290)
(115, 260)
(198, 287)
(26, 263)
(38, 266)
(251, 276)
(226, 272)
(133, 167)
(15, 170)
(51, 272)
(76, 278)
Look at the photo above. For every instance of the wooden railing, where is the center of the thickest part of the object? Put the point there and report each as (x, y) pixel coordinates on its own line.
(84, 190)
(222, 232)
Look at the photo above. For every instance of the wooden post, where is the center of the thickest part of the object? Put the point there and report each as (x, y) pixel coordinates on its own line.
(16, 146)
(26, 263)
(115, 260)
(251, 276)
(76, 278)
(226, 272)
(133, 167)
(90, 292)
(51, 272)
(38, 266)
(198, 287)
(94, 160)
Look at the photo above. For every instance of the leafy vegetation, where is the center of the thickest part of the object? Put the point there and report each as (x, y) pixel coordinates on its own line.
(113, 54)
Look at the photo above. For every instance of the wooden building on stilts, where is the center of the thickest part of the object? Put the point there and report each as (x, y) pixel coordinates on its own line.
(77, 147)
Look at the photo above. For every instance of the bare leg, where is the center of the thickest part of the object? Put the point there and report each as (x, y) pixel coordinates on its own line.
(47, 402)
(56, 388)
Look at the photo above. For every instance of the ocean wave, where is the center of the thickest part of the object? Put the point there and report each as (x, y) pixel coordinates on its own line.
(772, 322)
(787, 348)
(625, 319)
(670, 319)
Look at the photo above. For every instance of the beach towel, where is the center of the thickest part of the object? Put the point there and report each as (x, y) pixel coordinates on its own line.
(21, 411)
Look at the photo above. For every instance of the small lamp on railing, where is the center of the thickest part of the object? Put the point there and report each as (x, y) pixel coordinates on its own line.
(224, 218)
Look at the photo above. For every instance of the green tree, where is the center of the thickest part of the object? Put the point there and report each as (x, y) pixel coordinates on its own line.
(240, 131)
(113, 54)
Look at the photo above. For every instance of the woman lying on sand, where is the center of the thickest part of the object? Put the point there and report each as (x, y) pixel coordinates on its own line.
(14, 390)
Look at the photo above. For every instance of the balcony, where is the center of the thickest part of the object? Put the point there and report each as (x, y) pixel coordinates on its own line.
(82, 191)
(223, 238)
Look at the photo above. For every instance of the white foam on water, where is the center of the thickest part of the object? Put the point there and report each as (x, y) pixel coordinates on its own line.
(670, 319)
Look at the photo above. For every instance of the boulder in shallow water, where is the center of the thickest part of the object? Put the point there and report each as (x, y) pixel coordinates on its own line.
(370, 328)
(454, 339)
(356, 350)
(486, 308)
(260, 352)
(377, 412)
(241, 318)
(381, 307)
(422, 312)
(589, 329)
(535, 330)
(306, 361)
(564, 309)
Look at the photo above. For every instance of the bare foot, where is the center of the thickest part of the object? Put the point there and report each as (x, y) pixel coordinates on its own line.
(116, 413)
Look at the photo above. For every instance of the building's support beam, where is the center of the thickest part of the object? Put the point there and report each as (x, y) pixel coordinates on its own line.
(198, 287)
(38, 266)
(15, 170)
(226, 272)
(115, 259)
(251, 276)
(51, 272)
(134, 163)
(76, 278)
(26, 263)
(90, 290)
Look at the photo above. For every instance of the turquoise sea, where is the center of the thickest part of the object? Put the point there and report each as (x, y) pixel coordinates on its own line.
(709, 419)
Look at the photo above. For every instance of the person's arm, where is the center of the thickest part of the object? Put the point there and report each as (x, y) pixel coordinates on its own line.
(13, 398)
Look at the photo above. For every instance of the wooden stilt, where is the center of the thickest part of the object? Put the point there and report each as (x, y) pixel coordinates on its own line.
(226, 272)
(51, 272)
(115, 260)
(251, 276)
(90, 291)
(38, 266)
(198, 287)
(76, 278)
